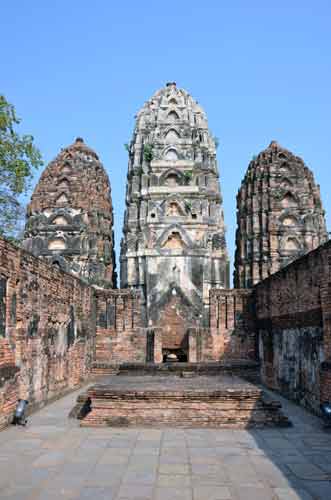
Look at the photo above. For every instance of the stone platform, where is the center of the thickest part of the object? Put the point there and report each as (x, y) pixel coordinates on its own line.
(247, 369)
(199, 401)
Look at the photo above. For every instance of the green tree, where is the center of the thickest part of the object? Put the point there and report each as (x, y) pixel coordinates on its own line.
(18, 158)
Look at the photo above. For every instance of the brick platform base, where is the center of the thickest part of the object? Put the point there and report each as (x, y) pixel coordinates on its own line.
(249, 370)
(203, 401)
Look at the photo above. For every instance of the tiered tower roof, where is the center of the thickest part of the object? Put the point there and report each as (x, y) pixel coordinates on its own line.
(174, 232)
(70, 216)
(279, 215)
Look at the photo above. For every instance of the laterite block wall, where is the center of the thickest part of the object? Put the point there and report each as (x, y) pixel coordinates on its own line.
(293, 309)
(120, 337)
(232, 325)
(47, 330)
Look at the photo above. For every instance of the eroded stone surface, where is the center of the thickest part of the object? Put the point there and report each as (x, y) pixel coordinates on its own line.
(279, 215)
(47, 343)
(70, 217)
(292, 311)
(173, 248)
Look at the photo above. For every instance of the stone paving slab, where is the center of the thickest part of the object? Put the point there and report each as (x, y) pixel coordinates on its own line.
(53, 458)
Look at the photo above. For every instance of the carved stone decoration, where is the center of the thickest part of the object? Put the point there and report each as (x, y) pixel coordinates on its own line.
(70, 216)
(172, 154)
(279, 215)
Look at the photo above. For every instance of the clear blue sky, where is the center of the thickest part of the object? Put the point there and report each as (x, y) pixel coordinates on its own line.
(261, 70)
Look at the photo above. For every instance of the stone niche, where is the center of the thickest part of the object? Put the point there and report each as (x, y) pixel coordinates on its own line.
(56, 244)
(174, 241)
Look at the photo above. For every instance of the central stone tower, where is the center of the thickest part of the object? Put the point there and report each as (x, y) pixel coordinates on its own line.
(173, 248)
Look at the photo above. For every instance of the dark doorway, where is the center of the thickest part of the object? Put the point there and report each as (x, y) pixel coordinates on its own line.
(174, 356)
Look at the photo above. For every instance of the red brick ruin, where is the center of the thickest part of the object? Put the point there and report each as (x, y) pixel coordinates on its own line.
(62, 318)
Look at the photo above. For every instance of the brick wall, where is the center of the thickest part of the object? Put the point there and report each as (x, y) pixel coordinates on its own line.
(231, 334)
(173, 322)
(232, 326)
(120, 337)
(53, 326)
(293, 310)
(46, 330)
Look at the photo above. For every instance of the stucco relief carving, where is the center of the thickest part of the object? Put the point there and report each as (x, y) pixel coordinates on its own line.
(277, 196)
(176, 225)
(71, 212)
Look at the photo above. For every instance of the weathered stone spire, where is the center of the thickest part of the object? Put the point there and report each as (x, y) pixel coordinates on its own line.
(70, 217)
(174, 234)
(279, 215)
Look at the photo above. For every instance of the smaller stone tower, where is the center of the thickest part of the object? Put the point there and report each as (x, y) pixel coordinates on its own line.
(70, 217)
(279, 215)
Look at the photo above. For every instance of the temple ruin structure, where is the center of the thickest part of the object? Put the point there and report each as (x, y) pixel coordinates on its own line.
(279, 215)
(173, 248)
(70, 216)
(62, 319)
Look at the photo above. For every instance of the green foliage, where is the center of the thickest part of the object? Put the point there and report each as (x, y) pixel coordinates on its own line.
(137, 171)
(188, 174)
(254, 157)
(148, 152)
(127, 147)
(216, 141)
(18, 158)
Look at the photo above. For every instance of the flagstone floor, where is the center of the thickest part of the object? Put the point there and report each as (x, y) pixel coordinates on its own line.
(53, 458)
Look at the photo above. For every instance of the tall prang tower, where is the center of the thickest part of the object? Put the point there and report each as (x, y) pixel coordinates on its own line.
(70, 216)
(173, 248)
(279, 215)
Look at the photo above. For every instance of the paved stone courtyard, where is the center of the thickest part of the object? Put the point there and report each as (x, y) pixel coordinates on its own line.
(53, 458)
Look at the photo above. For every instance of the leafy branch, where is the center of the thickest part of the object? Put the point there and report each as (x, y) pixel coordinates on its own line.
(18, 158)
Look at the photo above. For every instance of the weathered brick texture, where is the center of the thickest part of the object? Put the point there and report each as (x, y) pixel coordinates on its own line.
(120, 336)
(53, 326)
(279, 215)
(197, 402)
(293, 310)
(47, 330)
(232, 326)
(70, 216)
